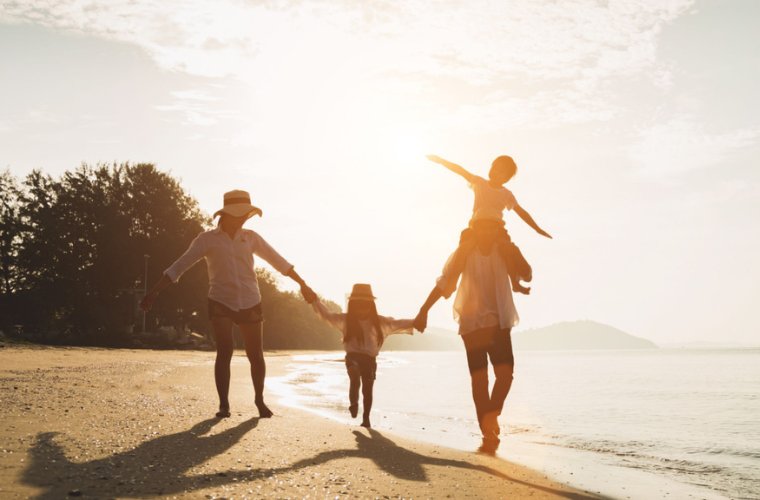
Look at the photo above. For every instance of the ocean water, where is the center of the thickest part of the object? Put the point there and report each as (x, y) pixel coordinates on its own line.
(689, 416)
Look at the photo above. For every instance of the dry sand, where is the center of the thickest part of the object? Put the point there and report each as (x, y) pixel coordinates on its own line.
(99, 423)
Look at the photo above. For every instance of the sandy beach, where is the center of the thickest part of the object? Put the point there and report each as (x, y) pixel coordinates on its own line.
(98, 423)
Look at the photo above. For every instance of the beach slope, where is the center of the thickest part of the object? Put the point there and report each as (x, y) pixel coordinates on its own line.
(98, 423)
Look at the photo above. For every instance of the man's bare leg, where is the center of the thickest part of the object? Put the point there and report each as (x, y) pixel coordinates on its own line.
(254, 349)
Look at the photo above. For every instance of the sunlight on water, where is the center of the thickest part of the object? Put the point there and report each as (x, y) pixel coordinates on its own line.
(688, 415)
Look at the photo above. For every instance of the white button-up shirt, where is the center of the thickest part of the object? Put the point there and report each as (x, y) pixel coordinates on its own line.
(231, 276)
(484, 296)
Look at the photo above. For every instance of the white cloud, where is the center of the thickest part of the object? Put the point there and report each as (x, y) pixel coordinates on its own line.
(198, 107)
(682, 144)
(296, 48)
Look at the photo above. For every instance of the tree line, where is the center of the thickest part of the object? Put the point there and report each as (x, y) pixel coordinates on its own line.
(74, 252)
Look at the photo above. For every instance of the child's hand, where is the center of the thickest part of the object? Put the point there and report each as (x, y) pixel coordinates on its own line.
(544, 233)
(434, 158)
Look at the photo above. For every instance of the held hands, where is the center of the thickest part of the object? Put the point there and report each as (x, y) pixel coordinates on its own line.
(420, 322)
(308, 294)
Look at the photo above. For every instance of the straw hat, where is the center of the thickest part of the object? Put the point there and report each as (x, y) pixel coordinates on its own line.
(487, 213)
(361, 291)
(237, 203)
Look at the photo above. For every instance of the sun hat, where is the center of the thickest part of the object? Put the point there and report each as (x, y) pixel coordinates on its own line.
(361, 291)
(237, 203)
(487, 213)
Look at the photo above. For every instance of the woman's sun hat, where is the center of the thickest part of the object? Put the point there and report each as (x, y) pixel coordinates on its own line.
(237, 203)
(361, 291)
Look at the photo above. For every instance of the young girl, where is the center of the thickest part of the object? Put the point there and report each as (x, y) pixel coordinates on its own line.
(364, 332)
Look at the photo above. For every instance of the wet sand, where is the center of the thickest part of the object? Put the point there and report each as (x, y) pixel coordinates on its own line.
(99, 423)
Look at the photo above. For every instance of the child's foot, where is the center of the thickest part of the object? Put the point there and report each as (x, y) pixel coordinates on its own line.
(354, 409)
(223, 413)
(365, 423)
(264, 411)
(517, 287)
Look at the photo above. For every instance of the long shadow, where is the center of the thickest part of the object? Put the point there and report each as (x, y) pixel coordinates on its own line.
(395, 460)
(163, 466)
(154, 467)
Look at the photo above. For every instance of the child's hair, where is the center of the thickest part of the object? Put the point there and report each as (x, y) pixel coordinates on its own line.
(354, 329)
(507, 163)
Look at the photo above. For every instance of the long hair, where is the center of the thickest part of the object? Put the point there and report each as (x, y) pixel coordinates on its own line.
(354, 329)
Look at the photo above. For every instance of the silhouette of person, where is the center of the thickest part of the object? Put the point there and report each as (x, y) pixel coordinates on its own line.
(492, 194)
(486, 313)
(364, 332)
(233, 292)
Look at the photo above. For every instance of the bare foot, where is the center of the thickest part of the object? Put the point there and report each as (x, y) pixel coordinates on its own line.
(223, 413)
(264, 411)
(488, 447)
(354, 409)
(365, 423)
(517, 287)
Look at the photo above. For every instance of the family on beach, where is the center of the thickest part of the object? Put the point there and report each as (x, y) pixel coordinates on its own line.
(484, 270)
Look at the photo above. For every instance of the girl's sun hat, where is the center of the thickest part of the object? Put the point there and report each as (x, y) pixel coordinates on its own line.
(237, 203)
(361, 291)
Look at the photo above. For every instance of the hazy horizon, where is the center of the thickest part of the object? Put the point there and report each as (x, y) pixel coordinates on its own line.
(634, 125)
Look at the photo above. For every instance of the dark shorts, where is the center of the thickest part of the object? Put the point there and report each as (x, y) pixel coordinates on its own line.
(488, 343)
(367, 364)
(250, 315)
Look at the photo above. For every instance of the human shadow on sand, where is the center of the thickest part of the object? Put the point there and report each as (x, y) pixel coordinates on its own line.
(163, 466)
(159, 466)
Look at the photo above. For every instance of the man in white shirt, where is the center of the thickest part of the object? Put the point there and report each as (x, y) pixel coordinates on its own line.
(486, 313)
(233, 290)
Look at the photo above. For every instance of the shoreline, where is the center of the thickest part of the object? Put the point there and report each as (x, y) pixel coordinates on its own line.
(580, 469)
(106, 423)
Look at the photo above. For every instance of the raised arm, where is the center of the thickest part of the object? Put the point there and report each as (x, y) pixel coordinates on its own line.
(333, 319)
(457, 169)
(264, 250)
(308, 294)
(529, 220)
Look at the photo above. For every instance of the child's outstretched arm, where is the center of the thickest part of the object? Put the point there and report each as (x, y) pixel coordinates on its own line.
(457, 169)
(333, 319)
(529, 220)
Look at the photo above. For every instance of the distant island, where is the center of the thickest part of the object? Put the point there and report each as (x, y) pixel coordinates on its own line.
(561, 336)
(578, 335)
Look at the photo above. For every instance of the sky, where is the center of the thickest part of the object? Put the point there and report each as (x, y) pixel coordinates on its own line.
(635, 125)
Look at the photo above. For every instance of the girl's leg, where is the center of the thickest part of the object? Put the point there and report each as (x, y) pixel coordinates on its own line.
(224, 346)
(367, 385)
(353, 389)
(254, 348)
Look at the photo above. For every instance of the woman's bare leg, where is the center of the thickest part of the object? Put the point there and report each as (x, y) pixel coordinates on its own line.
(224, 347)
(254, 348)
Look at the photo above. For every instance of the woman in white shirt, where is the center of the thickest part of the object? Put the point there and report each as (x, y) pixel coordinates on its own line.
(364, 332)
(233, 290)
